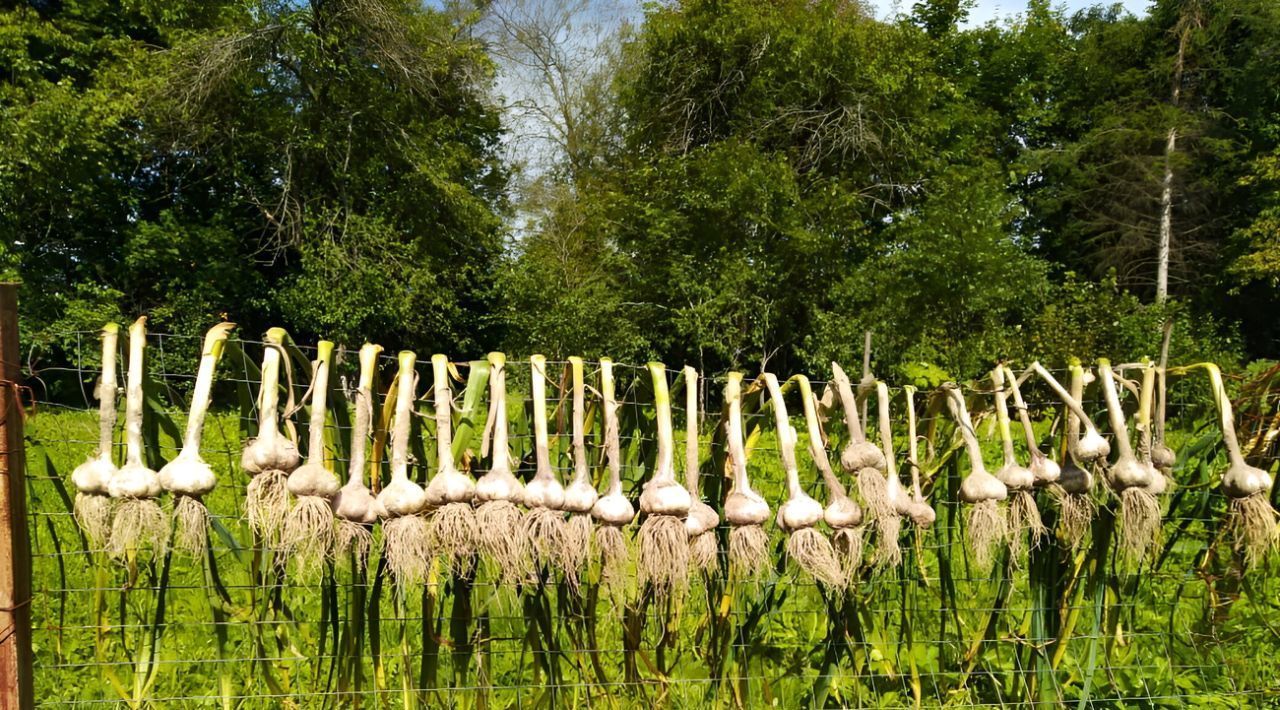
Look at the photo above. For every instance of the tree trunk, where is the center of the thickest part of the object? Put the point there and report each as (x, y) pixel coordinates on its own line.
(1166, 219)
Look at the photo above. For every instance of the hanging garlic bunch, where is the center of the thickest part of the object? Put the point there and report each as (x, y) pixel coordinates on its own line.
(985, 524)
(451, 526)
(800, 514)
(1131, 479)
(188, 477)
(702, 519)
(92, 478)
(138, 518)
(354, 505)
(744, 509)
(842, 514)
(308, 533)
(269, 458)
(579, 496)
(499, 522)
(1019, 480)
(921, 513)
(664, 542)
(404, 531)
(612, 511)
(544, 496)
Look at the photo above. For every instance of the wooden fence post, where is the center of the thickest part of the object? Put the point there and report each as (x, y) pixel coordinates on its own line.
(16, 687)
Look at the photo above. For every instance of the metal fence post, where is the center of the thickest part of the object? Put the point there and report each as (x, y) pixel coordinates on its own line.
(15, 546)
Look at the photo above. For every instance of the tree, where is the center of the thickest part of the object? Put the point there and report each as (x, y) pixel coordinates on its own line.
(239, 159)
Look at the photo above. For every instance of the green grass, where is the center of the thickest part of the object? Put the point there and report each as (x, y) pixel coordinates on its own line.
(1055, 629)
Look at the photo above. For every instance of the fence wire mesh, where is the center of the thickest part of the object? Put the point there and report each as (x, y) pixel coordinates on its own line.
(239, 628)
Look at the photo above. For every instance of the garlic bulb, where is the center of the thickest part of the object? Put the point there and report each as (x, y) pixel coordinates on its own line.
(889, 524)
(1044, 470)
(841, 511)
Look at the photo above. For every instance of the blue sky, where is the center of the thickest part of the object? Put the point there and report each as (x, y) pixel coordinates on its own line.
(985, 10)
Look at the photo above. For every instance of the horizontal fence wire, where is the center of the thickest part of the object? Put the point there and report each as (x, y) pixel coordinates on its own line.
(1049, 625)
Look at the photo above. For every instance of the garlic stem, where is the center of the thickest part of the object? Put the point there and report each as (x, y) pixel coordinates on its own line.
(269, 397)
(214, 342)
(886, 430)
(691, 430)
(364, 413)
(817, 448)
(1072, 403)
(733, 434)
(319, 403)
(1160, 375)
(845, 389)
(1145, 397)
(444, 413)
(612, 447)
(1073, 419)
(1002, 415)
(961, 413)
(664, 471)
(1024, 416)
(498, 397)
(910, 392)
(1119, 428)
(107, 390)
(786, 436)
(404, 410)
(581, 471)
(538, 366)
(133, 393)
(1234, 454)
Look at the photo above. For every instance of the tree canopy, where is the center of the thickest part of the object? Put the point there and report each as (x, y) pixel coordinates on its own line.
(739, 182)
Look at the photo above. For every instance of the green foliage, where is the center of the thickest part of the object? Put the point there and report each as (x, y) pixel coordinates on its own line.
(298, 163)
(949, 263)
(741, 183)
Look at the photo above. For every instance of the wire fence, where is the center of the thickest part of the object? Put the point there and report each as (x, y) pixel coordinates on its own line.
(240, 627)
